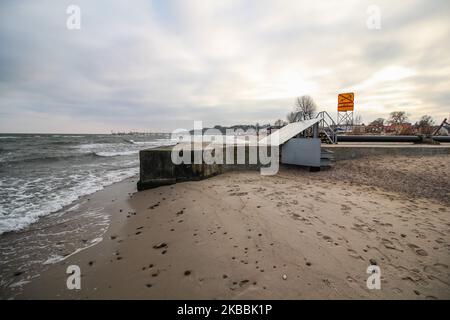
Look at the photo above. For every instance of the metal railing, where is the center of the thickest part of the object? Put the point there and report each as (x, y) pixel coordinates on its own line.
(327, 126)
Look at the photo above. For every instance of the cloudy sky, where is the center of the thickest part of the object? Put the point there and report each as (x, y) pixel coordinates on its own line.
(160, 65)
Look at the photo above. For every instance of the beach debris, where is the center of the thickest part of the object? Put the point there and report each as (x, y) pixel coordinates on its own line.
(187, 272)
(284, 277)
(160, 245)
(373, 262)
(308, 264)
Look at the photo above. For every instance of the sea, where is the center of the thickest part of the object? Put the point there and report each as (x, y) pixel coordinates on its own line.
(42, 178)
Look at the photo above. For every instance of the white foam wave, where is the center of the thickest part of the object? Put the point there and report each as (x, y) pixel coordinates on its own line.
(116, 154)
(27, 213)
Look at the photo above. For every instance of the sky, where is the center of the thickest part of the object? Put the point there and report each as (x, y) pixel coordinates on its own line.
(161, 65)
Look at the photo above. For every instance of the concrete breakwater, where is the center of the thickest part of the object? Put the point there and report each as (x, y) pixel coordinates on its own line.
(157, 167)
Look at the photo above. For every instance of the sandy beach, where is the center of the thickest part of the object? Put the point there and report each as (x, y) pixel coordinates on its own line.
(296, 235)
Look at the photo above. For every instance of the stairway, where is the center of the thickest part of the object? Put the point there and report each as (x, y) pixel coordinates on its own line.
(326, 158)
(327, 126)
(325, 137)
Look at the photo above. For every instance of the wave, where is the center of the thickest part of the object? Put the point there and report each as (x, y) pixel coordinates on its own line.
(9, 137)
(116, 154)
(94, 145)
(157, 142)
(61, 199)
(47, 158)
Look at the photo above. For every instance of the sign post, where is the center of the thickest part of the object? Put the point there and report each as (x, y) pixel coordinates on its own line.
(345, 110)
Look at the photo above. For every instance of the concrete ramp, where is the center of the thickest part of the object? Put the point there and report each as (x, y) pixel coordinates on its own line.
(287, 132)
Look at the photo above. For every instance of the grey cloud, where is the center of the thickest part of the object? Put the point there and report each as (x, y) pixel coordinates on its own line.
(161, 65)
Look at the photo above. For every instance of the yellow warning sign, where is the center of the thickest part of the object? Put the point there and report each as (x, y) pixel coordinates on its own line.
(346, 101)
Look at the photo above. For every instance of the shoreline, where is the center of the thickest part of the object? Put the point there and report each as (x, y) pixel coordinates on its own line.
(74, 228)
(239, 235)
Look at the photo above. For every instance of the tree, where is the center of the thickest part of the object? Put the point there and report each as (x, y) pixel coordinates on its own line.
(358, 120)
(425, 124)
(279, 123)
(379, 122)
(376, 126)
(306, 106)
(291, 117)
(426, 121)
(398, 117)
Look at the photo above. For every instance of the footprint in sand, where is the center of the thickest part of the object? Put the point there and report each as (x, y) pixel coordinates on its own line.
(388, 244)
(397, 290)
(154, 206)
(417, 250)
(155, 274)
(354, 254)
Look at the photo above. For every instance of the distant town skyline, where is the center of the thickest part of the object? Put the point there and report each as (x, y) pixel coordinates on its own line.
(160, 65)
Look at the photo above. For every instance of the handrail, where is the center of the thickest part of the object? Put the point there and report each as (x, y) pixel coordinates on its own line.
(325, 123)
(324, 116)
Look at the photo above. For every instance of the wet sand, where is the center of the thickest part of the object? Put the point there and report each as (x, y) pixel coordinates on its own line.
(296, 235)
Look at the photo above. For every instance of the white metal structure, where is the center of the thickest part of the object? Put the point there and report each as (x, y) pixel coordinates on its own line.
(287, 132)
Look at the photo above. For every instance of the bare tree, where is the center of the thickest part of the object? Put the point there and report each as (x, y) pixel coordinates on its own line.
(306, 106)
(398, 117)
(376, 126)
(425, 124)
(279, 123)
(426, 121)
(291, 117)
(379, 122)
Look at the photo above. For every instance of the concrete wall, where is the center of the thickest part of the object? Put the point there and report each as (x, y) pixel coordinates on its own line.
(157, 168)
